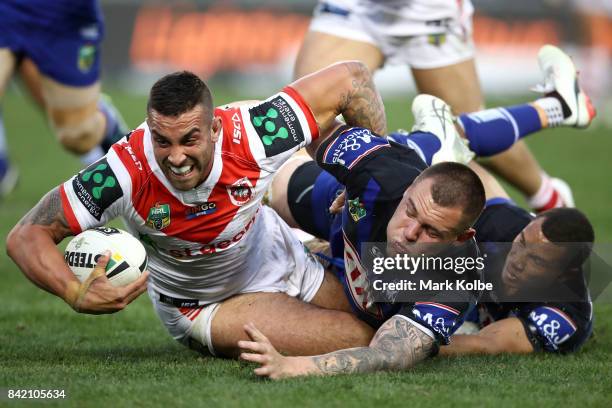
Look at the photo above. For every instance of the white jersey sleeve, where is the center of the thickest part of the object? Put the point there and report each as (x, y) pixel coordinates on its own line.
(97, 194)
(278, 127)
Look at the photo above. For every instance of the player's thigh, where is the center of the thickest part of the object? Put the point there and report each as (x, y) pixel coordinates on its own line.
(321, 49)
(294, 327)
(456, 84)
(7, 66)
(278, 190)
(331, 294)
(31, 77)
(492, 187)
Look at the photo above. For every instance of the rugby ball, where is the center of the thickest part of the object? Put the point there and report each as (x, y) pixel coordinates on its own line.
(128, 258)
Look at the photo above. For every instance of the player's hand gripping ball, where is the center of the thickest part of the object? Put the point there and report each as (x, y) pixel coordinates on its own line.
(128, 258)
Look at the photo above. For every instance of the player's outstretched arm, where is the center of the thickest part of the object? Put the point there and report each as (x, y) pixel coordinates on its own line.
(503, 336)
(32, 245)
(397, 345)
(347, 89)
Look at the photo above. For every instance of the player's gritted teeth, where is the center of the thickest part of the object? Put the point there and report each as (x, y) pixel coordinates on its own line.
(182, 171)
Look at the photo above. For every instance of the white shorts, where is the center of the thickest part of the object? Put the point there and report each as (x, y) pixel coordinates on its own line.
(190, 325)
(422, 34)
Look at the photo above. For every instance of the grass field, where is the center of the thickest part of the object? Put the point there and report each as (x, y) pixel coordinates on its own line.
(127, 359)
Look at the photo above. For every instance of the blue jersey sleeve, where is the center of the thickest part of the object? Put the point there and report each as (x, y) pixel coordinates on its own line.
(441, 319)
(552, 329)
(348, 148)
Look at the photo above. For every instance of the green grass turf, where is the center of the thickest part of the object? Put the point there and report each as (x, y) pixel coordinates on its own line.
(127, 359)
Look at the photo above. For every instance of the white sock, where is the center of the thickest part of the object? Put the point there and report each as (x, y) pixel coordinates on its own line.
(546, 197)
(554, 110)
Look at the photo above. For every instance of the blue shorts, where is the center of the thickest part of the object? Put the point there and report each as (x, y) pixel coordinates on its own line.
(62, 37)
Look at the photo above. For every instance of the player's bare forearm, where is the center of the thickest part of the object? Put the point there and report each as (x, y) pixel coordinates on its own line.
(397, 345)
(32, 245)
(503, 336)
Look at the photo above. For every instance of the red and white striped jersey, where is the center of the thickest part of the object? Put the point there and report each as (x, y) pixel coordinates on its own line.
(203, 243)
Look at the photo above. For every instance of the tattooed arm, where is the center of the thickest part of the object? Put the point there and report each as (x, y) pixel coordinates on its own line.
(32, 245)
(398, 344)
(346, 89)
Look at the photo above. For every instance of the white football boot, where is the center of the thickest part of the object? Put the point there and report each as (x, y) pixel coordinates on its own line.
(561, 81)
(433, 115)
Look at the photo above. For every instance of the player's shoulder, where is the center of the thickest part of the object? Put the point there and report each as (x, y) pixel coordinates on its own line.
(358, 151)
(131, 152)
(501, 221)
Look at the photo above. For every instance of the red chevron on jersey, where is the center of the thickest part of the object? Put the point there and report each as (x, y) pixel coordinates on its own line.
(151, 198)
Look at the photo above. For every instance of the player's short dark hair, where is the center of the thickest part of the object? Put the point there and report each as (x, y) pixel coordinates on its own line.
(569, 225)
(179, 92)
(456, 185)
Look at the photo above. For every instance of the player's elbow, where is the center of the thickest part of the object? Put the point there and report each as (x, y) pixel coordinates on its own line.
(13, 241)
(356, 73)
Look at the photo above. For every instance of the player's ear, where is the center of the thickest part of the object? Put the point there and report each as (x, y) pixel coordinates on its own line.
(217, 128)
(467, 234)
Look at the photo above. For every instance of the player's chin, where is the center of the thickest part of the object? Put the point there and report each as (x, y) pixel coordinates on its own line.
(183, 182)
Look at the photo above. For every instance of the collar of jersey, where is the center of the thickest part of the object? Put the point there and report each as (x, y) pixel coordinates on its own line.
(202, 191)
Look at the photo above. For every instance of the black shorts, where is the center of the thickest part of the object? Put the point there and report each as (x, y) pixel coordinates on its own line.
(310, 192)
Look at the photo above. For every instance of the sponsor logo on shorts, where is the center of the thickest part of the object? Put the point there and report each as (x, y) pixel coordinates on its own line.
(356, 209)
(240, 192)
(97, 188)
(86, 57)
(159, 216)
(200, 209)
(277, 126)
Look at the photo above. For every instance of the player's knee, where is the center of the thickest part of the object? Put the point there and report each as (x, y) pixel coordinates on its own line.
(82, 134)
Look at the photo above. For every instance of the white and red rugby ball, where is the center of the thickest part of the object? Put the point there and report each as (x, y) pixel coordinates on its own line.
(128, 256)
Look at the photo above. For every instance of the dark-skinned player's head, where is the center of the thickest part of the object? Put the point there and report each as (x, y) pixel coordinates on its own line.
(549, 251)
(183, 128)
(441, 205)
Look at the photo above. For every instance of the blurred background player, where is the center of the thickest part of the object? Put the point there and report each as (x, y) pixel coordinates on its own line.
(58, 44)
(434, 38)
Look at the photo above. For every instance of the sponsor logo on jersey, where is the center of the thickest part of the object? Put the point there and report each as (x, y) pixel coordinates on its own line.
(200, 209)
(277, 126)
(237, 133)
(356, 209)
(240, 192)
(130, 151)
(159, 216)
(209, 248)
(86, 57)
(553, 325)
(351, 146)
(97, 188)
(439, 318)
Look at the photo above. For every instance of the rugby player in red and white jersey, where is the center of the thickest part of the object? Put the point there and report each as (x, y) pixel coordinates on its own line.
(189, 182)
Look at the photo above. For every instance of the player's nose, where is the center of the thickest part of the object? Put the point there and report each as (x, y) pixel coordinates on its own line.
(176, 157)
(412, 231)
